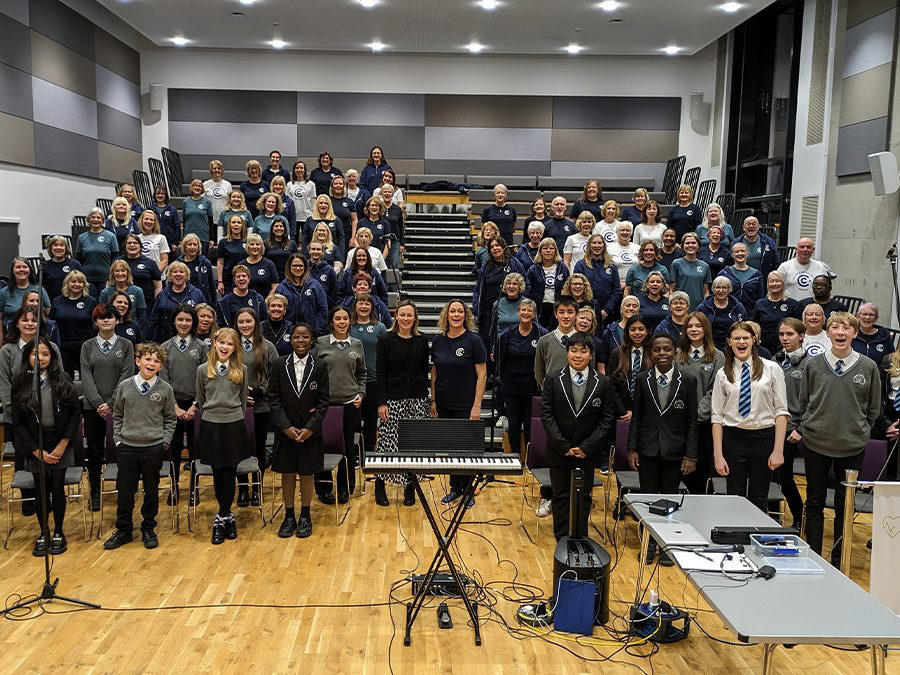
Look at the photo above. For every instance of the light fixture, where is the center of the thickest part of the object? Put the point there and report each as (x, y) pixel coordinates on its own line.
(474, 47)
(247, 2)
(489, 4)
(609, 5)
(278, 44)
(672, 49)
(377, 46)
(368, 4)
(573, 48)
(179, 41)
(730, 7)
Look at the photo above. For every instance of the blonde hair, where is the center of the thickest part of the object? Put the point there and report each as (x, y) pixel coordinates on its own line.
(255, 238)
(587, 311)
(75, 275)
(58, 239)
(118, 200)
(329, 241)
(235, 361)
(228, 235)
(216, 164)
(329, 215)
(482, 238)
(364, 231)
(194, 238)
(250, 164)
(514, 277)
(589, 257)
(845, 318)
(261, 202)
(547, 241)
(116, 264)
(242, 205)
(444, 323)
(607, 204)
(178, 265)
(276, 297)
(585, 217)
(155, 228)
(588, 291)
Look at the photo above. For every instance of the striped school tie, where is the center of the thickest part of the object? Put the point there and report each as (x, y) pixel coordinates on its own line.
(897, 401)
(635, 367)
(744, 400)
(839, 367)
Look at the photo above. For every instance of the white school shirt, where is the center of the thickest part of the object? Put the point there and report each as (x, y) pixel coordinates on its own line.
(768, 397)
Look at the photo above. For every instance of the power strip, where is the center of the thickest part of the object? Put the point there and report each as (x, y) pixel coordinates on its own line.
(442, 585)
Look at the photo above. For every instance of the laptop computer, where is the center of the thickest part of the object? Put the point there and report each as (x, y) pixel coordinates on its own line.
(679, 534)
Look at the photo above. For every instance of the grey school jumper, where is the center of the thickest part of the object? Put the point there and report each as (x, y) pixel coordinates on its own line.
(143, 420)
(705, 373)
(220, 399)
(270, 354)
(551, 357)
(101, 373)
(180, 368)
(839, 410)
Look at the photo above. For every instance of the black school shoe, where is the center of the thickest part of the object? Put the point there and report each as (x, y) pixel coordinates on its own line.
(243, 498)
(327, 498)
(118, 538)
(288, 525)
(230, 528)
(218, 533)
(40, 547)
(304, 527)
(149, 538)
(58, 544)
(343, 497)
(381, 497)
(409, 495)
(254, 497)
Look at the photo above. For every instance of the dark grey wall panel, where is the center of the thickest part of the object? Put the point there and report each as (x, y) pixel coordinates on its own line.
(516, 112)
(60, 150)
(856, 142)
(17, 9)
(486, 166)
(115, 55)
(356, 141)
(617, 112)
(209, 105)
(118, 128)
(15, 92)
(15, 43)
(66, 26)
(401, 110)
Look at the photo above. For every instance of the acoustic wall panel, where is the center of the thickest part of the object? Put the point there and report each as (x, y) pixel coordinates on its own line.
(866, 95)
(254, 139)
(118, 128)
(869, 44)
(357, 140)
(64, 109)
(530, 112)
(494, 144)
(216, 105)
(16, 9)
(55, 63)
(115, 55)
(856, 142)
(619, 112)
(16, 140)
(610, 169)
(15, 45)
(118, 92)
(15, 92)
(59, 150)
(487, 167)
(116, 163)
(623, 145)
(63, 25)
(401, 110)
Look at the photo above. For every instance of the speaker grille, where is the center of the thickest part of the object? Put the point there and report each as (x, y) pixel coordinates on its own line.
(815, 120)
(719, 103)
(809, 216)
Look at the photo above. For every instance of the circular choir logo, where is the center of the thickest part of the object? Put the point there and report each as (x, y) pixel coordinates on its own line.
(609, 271)
(796, 374)
(804, 280)
(261, 272)
(194, 352)
(308, 292)
(461, 352)
(814, 348)
(879, 348)
(783, 307)
(286, 338)
(155, 397)
(120, 354)
(609, 237)
(370, 329)
(627, 257)
(146, 246)
(66, 269)
(129, 331)
(323, 277)
(550, 282)
(534, 343)
(80, 305)
(665, 307)
(860, 379)
(218, 192)
(506, 212)
(700, 269)
(141, 266)
(297, 192)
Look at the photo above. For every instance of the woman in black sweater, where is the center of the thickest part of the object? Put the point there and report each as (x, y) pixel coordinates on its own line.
(402, 364)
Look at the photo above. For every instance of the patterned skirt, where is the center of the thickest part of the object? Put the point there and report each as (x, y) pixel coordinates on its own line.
(406, 408)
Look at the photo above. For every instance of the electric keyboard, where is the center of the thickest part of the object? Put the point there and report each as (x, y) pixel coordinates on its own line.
(441, 463)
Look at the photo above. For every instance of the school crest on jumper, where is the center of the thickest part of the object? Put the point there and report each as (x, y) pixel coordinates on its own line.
(678, 405)
(859, 379)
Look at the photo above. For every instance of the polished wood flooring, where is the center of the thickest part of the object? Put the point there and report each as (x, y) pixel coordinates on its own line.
(354, 563)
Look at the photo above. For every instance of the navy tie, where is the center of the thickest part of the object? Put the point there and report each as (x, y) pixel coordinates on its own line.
(145, 387)
(248, 345)
(897, 401)
(696, 355)
(564, 340)
(786, 364)
(223, 369)
(183, 344)
(635, 367)
(663, 380)
(839, 367)
(105, 347)
(579, 379)
(744, 400)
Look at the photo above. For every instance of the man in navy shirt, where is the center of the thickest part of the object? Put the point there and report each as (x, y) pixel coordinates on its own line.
(558, 227)
(762, 251)
(275, 168)
(501, 214)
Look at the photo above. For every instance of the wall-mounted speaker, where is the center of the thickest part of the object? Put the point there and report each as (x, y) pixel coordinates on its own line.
(156, 97)
(885, 176)
(700, 114)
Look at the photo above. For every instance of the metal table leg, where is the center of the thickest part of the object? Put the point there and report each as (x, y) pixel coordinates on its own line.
(876, 654)
(642, 556)
(768, 658)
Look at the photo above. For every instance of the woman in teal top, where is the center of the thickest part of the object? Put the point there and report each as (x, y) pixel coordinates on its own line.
(21, 282)
(95, 250)
(270, 208)
(236, 206)
(367, 329)
(198, 216)
(690, 274)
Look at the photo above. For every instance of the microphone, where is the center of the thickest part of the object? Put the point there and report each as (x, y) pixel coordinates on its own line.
(736, 548)
(892, 252)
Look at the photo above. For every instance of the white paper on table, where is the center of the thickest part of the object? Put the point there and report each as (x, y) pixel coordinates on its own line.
(713, 562)
(886, 545)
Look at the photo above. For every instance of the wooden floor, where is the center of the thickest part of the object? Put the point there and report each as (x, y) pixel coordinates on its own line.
(355, 563)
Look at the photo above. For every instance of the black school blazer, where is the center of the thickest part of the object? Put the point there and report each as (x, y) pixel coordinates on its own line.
(669, 432)
(301, 405)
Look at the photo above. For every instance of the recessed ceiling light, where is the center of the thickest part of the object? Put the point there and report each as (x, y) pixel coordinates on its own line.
(368, 4)
(672, 49)
(247, 2)
(573, 48)
(474, 47)
(278, 44)
(179, 41)
(489, 4)
(609, 5)
(377, 46)
(731, 7)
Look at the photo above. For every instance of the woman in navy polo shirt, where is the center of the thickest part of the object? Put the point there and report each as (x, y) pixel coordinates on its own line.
(323, 212)
(279, 248)
(602, 275)
(72, 313)
(374, 169)
(373, 219)
(501, 213)
(323, 174)
(722, 310)
(167, 214)
(145, 273)
(591, 200)
(654, 303)
(254, 187)
(746, 282)
(458, 376)
(59, 265)
(230, 251)
(685, 216)
(715, 254)
(772, 309)
(344, 209)
(263, 275)
(635, 213)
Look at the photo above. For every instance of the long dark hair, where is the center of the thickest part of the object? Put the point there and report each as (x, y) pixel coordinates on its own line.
(756, 367)
(684, 345)
(623, 367)
(23, 395)
(260, 367)
(13, 334)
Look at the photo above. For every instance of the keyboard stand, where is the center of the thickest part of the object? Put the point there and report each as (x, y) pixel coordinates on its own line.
(444, 542)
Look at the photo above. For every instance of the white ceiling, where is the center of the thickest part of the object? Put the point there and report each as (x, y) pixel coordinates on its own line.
(437, 26)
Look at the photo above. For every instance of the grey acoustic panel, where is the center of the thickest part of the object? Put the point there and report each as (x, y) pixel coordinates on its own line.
(612, 169)
(400, 110)
(204, 138)
(15, 92)
(216, 105)
(586, 145)
(865, 96)
(17, 9)
(117, 56)
(16, 140)
(116, 163)
(60, 150)
(118, 128)
(869, 44)
(616, 112)
(15, 43)
(56, 63)
(856, 142)
(861, 10)
(529, 112)
(118, 92)
(64, 109)
(357, 140)
(479, 143)
(486, 166)
(64, 25)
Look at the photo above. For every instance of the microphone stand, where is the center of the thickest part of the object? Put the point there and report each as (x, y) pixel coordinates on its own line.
(49, 590)
(892, 256)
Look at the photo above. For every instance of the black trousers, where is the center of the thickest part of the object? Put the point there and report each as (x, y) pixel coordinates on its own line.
(789, 485)
(458, 482)
(55, 499)
(260, 429)
(747, 453)
(817, 469)
(370, 416)
(184, 436)
(95, 433)
(560, 482)
(518, 413)
(659, 476)
(324, 483)
(71, 356)
(138, 464)
(9, 434)
(696, 481)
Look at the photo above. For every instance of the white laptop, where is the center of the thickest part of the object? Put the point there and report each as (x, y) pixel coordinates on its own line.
(679, 534)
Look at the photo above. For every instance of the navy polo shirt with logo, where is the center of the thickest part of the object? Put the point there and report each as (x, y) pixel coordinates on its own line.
(144, 273)
(455, 360)
(262, 275)
(684, 219)
(73, 317)
(504, 217)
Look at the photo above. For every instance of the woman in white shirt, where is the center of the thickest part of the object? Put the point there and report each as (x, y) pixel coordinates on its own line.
(389, 178)
(623, 252)
(302, 192)
(576, 244)
(816, 340)
(364, 240)
(217, 189)
(153, 244)
(650, 228)
(610, 223)
(749, 417)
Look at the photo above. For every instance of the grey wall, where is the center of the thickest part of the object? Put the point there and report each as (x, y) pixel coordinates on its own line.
(69, 93)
